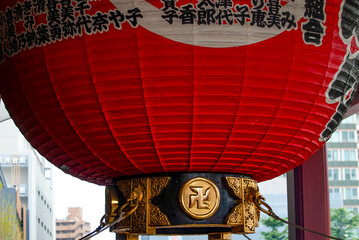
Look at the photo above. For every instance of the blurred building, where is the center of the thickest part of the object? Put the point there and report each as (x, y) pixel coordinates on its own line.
(73, 227)
(342, 151)
(30, 174)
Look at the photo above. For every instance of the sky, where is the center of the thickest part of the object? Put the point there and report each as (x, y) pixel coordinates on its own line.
(72, 192)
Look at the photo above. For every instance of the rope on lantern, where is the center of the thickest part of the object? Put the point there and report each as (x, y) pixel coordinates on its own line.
(131, 203)
(260, 200)
(246, 236)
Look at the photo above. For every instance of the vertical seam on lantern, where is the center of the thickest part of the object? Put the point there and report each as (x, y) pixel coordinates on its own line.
(235, 118)
(144, 101)
(193, 104)
(48, 73)
(70, 123)
(274, 118)
(314, 136)
(35, 115)
(104, 116)
(237, 112)
(299, 129)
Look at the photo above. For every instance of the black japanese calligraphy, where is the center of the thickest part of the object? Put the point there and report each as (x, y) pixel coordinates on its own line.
(313, 28)
(342, 88)
(64, 19)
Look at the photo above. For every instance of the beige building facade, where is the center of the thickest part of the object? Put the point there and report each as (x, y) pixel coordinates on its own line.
(73, 227)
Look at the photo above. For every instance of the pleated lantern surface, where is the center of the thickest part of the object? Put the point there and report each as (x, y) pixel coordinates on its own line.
(112, 88)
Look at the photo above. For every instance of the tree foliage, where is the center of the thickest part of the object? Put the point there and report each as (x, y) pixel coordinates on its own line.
(10, 228)
(343, 222)
(274, 233)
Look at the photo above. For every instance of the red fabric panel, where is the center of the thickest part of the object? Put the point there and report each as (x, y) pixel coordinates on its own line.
(129, 102)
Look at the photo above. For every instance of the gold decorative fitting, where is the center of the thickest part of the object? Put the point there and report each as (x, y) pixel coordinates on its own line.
(199, 198)
(244, 217)
(112, 204)
(147, 216)
(190, 202)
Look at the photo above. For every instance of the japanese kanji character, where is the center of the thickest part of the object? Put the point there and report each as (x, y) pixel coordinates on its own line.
(13, 46)
(53, 15)
(224, 4)
(82, 6)
(39, 6)
(117, 18)
(169, 5)
(188, 14)
(227, 15)
(257, 4)
(21, 38)
(55, 32)
(31, 38)
(29, 22)
(314, 9)
(313, 31)
(204, 4)
(170, 15)
(84, 21)
(100, 22)
(67, 11)
(242, 13)
(258, 18)
(27, 8)
(273, 17)
(288, 20)
(11, 29)
(43, 36)
(18, 12)
(202, 16)
(69, 29)
(132, 18)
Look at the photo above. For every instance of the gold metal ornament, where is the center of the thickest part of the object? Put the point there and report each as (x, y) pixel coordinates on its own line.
(112, 204)
(147, 216)
(244, 217)
(199, 198)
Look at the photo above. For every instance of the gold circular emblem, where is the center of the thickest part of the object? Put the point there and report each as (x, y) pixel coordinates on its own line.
(199, 198)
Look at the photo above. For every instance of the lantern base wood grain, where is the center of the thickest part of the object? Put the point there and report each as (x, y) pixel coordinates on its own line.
(216, 204)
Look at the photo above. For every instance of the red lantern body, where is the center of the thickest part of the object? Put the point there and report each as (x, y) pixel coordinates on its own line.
(123, 98)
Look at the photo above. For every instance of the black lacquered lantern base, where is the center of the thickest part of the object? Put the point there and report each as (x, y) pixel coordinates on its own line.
(185, 203)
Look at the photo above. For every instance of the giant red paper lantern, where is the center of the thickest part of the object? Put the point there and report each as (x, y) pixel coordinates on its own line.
(113, 88)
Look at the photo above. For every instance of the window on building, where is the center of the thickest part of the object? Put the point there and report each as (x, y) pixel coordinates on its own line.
(347, 174)
(335, 174)
(330, 174)
(354, 174)
(348, 193)
(333, 154)
(345, 137)
(350, 174)
(351, 193)
(351, 136)
(333, 190)
(348, 136)
(349, 155)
